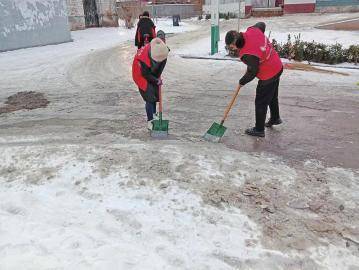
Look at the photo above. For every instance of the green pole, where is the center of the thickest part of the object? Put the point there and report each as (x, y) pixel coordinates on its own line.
(214, 39)
(214, 26)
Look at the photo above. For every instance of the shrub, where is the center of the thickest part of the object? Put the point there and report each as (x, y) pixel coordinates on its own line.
(313, 51)
(316, 52)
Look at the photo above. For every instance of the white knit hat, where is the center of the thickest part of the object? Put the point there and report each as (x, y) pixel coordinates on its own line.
(159, 50)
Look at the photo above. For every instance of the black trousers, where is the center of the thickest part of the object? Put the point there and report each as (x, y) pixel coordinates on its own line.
(150, 96)
(266, 95)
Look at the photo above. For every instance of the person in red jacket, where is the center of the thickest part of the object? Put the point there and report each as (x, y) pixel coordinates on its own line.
(147, 68)
(263, 62)
(146, 29)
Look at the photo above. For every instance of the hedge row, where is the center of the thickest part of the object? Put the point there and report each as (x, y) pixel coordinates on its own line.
(316, 52)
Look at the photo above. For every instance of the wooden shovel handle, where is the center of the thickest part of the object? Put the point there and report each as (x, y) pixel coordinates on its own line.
(160, 98)
(229, 107)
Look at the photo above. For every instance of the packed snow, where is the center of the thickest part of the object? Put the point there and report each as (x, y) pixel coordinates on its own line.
(83, 187)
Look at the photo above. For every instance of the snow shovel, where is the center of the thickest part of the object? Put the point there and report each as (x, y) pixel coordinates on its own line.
(216, 131)
(160, 126)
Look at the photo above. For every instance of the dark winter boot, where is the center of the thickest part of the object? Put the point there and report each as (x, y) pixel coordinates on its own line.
(254, 132)
(273, 122)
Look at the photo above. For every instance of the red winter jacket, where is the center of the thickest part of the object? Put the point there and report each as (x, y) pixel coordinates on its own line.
(142, 55)
(257, 44)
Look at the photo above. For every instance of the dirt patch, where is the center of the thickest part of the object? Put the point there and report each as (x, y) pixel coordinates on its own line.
(306, 67)
(28, 100)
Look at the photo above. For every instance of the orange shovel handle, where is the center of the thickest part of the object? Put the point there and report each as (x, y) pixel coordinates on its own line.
(230, 105)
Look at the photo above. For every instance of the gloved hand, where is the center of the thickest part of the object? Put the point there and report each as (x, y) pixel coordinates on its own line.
(159, 82)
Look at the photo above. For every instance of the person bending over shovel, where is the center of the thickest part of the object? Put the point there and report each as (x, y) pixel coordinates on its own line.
(262, 62)
(147, 68)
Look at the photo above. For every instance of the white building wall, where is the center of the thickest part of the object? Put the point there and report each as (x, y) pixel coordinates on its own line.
(225, 6)
(29, 23)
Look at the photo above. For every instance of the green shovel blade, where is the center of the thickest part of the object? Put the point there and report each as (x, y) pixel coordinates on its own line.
(160, 125)
(159, 129)
(216, 131)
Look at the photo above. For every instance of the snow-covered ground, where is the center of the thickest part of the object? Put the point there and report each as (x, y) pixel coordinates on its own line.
(65, 211)
(60, 209)
(346, 38)
(279, 29)
(83, 187)
(84, 42)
